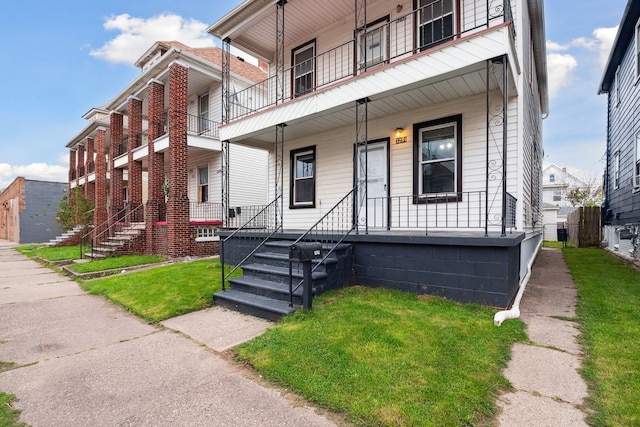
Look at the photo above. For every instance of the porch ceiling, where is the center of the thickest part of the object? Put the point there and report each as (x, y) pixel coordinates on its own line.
(251, 26)
(465, 82)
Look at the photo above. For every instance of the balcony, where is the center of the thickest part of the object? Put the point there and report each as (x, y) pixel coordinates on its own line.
(380, 44)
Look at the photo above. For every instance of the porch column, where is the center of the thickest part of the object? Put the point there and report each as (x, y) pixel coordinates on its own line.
(80, 164)
(280, 52)
(226, 79)
(116, 176)
(100, 215)
(362, 136)
(178, 206)
(72, 173)
(156, 161)
(90, 187)
(225, 183)
(134, 167)
(279, 153)
(360, 26)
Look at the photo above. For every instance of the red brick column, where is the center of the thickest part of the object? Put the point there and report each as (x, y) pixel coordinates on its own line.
(135, 139)
(89, 187)
(72, 169)
(178, 206)
(80, 163)
(100, 215)
(156, 161)
(116, 179)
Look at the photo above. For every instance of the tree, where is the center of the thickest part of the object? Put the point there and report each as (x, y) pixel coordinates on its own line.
(75, 209)
(589, 194)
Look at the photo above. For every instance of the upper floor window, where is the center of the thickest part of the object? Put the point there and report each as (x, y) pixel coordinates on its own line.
(435, 22)
(637, 57)
(304, 68)
(303, 177)
(552, 178)
(557, 195)
(374, 44)
(203, 184)
(203, 113)
(437, 151)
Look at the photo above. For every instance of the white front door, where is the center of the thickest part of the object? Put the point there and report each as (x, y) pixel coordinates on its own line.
(376, 189)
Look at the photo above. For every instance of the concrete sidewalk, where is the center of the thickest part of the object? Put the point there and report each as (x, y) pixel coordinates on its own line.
(547, 389)
(85, 362)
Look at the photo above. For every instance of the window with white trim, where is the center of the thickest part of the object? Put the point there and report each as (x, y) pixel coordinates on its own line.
(203, 113)
(303, 177)
(616, 170)
(552, 178)
(435, 22)
(557, 195)
(203, 184)
(206, 232)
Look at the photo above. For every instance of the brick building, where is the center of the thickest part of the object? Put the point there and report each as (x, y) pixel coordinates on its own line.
(152, 155)
(28, 210)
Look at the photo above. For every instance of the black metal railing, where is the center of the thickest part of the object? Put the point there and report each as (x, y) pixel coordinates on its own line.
(248, 238)
(404, 35)
(205, 211)
(202, 126)
(330, 231)
(119, 219)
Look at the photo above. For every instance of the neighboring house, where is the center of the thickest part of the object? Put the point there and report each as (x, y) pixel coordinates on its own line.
(621, 209)
(550, 220)
(413, 127)
(28, 210)
(152, 157)
(556, 183)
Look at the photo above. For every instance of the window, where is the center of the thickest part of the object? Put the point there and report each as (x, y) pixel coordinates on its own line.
(304, 68)
(552, 178)
(203, 184)
(435, 22)
(203, 113)
(557, 195)
(636, 174)
(303, 178)
(373, 45)
(206, 233)
(616, 170)
(637, 58)
(437, 148)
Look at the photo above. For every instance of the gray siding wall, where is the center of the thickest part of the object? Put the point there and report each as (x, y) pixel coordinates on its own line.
(623, 126)
(38, 220)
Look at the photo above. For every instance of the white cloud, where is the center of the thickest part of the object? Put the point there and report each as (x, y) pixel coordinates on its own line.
(138, 34)
(37, 171)
(560, 67)
(556, 47)
(605, 37)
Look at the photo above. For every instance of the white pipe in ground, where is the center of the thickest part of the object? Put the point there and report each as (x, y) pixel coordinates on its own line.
(514, 312)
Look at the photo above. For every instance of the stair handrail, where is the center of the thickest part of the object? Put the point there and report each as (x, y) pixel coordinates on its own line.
(244, 229)
(122, 216)
(349, 227)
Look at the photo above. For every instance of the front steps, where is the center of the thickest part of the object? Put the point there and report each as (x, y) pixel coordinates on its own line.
(118, 244)
(263, 290)
(70, 236)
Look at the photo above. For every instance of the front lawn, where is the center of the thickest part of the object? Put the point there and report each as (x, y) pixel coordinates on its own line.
(115, 263)
(388, 358)
(50, 253)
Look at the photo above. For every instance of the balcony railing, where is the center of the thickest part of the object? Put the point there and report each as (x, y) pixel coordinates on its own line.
(202, 126)
(205, 211)
(403, 36)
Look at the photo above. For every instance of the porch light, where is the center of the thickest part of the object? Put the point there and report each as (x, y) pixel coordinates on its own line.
(399, 138)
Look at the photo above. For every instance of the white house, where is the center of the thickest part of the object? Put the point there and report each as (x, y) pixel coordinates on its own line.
(410, 131)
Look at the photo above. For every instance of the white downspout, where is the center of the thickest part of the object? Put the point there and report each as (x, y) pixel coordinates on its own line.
(514, 312)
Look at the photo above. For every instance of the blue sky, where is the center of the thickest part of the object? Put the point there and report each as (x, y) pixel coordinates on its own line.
(60, 59)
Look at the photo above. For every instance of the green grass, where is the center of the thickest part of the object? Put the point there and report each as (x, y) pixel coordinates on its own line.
(53, 253)
(8, 415)
(115, 262)
(387, 358)
(609, 313)
(162, 292)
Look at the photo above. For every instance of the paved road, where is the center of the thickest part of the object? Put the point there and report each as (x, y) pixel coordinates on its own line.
(85, 362)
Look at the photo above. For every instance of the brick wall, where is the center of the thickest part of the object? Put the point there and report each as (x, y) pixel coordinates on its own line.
(89, 187)
(135, 138)
(156, 161)
(80, 164)
(72, 169)
(100, 213)
(11, 203)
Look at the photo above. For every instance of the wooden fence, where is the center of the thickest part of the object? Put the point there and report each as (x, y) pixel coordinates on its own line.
(584, 228)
